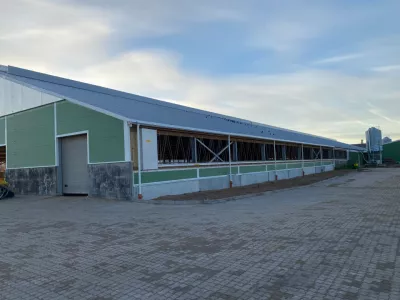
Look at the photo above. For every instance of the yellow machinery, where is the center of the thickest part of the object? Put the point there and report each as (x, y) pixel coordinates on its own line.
(5, 191)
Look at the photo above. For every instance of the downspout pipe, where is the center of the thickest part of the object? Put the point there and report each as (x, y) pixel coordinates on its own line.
(276, 176)
(230, 162)
(302, 159)
(139, 152)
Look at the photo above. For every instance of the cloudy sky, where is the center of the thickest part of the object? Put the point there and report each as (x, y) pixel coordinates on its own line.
(330, 68)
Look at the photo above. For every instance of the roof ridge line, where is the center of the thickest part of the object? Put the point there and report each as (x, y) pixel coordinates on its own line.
(151, 101)
(201, 115)
(135, 97)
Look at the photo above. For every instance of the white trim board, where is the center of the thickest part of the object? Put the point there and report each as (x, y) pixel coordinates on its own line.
(56, 154)
(127, 141)
(5, 137)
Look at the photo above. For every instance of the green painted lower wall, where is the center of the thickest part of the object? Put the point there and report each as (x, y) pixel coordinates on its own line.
(392, 151)
(30, 138)
(280, 167)
(180, 174)
(2, 130)
(309, 164)
(208, 172)
(252, 169)
(159, 176)
(294, 166)
(106, 133)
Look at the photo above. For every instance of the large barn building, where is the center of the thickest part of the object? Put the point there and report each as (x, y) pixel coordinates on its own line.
(60, 136)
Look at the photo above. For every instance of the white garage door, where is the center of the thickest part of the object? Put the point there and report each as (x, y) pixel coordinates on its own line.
(75, 174)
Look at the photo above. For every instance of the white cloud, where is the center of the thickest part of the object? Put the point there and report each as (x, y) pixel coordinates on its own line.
(389, 68)
(138, 18)
(320, 102)
(282, 36)
(87, 41)
(46, 36)
(338, 59)
(288, 29)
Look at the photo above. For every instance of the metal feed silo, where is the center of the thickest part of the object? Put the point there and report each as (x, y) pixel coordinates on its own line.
(374, 145)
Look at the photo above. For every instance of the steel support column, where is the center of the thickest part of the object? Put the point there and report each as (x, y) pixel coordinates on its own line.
(263, 153)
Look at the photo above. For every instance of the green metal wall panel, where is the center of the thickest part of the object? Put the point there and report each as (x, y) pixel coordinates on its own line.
(106, 133)
(2, 130)
(158, 176)
(252, 169)
(354, 158)
(271, 167)
(30, 138)
(214, 172)
(294, 165)
(392, 151)
(281, 167)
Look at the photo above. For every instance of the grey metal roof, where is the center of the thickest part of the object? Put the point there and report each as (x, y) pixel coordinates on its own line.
(147, 111)
(392, 142)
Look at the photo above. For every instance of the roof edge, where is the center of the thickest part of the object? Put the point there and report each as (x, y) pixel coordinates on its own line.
(18, 72)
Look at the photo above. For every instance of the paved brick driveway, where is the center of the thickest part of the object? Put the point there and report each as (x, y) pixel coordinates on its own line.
(336, 240)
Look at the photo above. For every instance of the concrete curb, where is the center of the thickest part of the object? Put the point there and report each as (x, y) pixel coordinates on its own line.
(186, 202)
(224, 200)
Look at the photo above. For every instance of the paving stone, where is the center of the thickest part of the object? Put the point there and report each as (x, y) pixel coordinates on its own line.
(337, 239)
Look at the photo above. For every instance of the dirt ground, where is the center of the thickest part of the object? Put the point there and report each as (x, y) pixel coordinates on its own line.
(258, 188)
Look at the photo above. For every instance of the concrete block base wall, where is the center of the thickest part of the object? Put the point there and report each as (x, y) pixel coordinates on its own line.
(38, 181)
(155, 190)
(111, 180)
